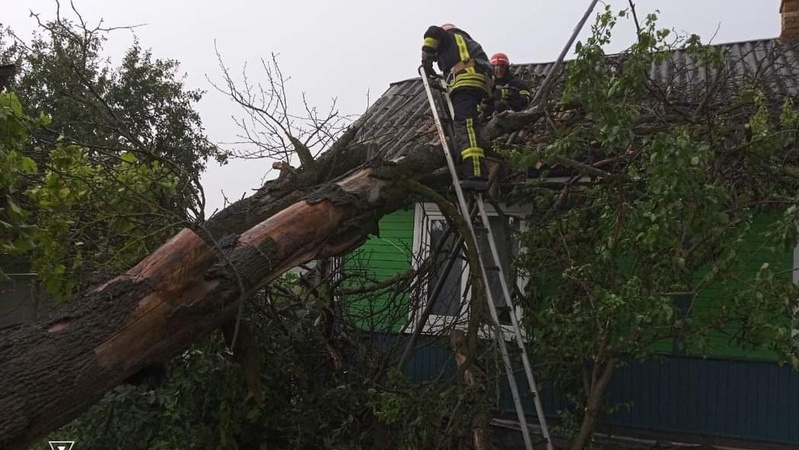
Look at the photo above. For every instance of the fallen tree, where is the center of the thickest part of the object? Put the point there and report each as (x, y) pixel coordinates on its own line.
(54, 370)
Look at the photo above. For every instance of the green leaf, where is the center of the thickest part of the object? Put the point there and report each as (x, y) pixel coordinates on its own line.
(13, 206)
(28, 165)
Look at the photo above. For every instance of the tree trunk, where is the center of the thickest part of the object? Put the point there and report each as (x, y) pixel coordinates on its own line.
(602, 373)
(457, 340)
(54, 370)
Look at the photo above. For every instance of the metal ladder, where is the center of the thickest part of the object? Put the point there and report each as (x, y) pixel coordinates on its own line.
(496, 266)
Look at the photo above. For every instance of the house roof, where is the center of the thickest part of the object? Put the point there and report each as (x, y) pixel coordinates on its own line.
(399, 121)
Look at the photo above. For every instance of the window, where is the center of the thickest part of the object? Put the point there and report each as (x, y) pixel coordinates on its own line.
(432, 237)
(443, 242)
(505, 230)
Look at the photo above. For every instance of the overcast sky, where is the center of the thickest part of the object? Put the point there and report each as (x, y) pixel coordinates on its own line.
(352, 50)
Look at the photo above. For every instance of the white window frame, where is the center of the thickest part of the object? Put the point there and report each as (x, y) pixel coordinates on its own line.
(425, 213)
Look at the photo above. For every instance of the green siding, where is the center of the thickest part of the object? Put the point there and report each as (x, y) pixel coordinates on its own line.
(378, 259)
(383, 257)
(753, 252)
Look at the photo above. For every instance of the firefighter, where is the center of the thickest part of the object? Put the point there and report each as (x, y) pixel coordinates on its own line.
(510, 91)
(467, 70)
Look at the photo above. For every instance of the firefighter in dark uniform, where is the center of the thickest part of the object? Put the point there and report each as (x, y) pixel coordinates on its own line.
(467, 70)
(510, 91)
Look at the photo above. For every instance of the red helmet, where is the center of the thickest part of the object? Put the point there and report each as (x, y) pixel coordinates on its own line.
(449, 26)
(500, 59)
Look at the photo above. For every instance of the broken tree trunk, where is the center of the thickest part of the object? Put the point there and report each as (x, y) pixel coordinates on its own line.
(457, 340)
(54, 370)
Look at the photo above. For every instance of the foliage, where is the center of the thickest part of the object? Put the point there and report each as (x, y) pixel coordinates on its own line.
(93, 221)
(686, 186)
(111, 166)
(15, 166)
(310, 399)
(141, 106)
(73, 217)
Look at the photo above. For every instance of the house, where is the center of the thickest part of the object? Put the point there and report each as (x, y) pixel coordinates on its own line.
(727, 396)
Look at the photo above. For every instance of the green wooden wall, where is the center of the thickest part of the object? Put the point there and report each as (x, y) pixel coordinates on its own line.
(381, 258)
(390, 254)
(753, 251)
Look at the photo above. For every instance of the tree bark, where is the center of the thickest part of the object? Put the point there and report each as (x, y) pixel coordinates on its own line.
(457, 340)
(602, 374)
(54, 370)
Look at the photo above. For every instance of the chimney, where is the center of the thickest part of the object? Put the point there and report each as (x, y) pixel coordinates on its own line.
(789, 10)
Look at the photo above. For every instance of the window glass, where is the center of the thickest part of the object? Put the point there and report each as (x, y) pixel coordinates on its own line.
(448, 300)
(505, 237)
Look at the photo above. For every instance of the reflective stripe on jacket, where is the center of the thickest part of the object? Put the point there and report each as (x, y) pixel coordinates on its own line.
(454, 47)
(513, 91)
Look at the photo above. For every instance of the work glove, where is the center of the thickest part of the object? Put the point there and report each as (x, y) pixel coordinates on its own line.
(427, 62)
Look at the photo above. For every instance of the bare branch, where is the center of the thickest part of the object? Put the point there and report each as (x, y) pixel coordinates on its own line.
(269, 124)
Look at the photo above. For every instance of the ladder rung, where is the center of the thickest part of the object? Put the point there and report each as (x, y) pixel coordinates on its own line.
(484, 227)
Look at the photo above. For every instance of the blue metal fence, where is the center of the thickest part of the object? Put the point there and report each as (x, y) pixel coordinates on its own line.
(746, 399)
(730, 398)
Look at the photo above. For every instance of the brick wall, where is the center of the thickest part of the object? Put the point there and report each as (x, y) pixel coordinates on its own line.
(789, 10)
